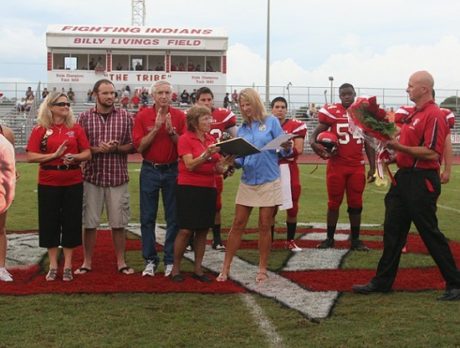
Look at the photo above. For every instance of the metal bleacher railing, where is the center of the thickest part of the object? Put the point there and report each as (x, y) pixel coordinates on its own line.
(299, 99)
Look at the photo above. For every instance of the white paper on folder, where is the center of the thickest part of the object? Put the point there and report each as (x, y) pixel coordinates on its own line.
(286, 187)
(275, 144)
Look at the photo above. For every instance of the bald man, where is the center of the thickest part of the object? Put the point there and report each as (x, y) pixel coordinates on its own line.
(413, 197)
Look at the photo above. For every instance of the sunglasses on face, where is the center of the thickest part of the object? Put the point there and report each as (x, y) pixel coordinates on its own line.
(61, 104)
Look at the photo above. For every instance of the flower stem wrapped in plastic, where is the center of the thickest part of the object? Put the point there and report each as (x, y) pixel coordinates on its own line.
(368, 120)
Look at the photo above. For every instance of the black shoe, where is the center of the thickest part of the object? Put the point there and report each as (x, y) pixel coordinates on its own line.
(450, 295)
(369, 288)
(201, 278)
(326, 244)
(358, 245)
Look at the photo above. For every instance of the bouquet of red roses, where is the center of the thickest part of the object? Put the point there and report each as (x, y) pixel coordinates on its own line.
(369, 121)
(366, 114)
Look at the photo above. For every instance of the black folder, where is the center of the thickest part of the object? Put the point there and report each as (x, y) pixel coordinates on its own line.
(237, 146)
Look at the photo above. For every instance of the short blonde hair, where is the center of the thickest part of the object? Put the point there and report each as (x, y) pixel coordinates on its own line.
(45, 116)
(251, 96)
(194, 114)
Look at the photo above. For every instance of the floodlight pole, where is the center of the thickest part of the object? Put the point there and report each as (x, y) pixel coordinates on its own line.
(331, 79)
(267, 56)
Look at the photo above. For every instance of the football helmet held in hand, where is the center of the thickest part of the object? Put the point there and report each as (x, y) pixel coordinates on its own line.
(328, 140)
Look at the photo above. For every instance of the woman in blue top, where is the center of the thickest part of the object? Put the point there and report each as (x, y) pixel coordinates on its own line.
(260, 184)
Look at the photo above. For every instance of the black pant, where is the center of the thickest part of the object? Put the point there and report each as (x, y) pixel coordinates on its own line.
(60, 215)
(413, 199)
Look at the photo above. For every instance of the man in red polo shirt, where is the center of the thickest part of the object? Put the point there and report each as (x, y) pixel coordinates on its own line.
(223, 120)
(413, 196)
(155, 134)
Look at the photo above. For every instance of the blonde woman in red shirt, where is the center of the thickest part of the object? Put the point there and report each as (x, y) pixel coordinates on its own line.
(59, 145)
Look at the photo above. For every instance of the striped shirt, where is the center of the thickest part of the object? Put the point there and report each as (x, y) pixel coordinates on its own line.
(107, 169)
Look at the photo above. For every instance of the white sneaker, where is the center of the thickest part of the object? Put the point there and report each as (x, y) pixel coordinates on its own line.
(292, 246)
(5, 275)
(149, 270)
(168, 270)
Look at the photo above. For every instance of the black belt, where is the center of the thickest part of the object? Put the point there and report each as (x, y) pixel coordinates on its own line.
(160, 166)
(60, 167)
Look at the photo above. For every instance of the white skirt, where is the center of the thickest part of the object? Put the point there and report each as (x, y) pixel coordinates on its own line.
(265, 195)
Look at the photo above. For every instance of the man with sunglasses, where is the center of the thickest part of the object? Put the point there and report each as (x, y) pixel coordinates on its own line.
(109, 131)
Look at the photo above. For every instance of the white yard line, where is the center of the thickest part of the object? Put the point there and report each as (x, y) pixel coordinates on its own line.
(265, 325)
(448, 208)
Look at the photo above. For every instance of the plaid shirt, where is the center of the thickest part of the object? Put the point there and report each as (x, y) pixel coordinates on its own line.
(107, 169)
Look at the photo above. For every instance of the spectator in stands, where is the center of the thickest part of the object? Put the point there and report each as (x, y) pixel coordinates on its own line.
(21, 105)
(7, 190)
(29, 102)
(156, 132)
(138, 67)
(119, 66)
(193, 96)
(181, 66)
(260, 185)
(45, 92)
(89, 96)
(185, 97)
(99, 65)
(198, 67)
(29, 93)
(174, 97)
(199, 161)
(71, 95)
(391, 114)
(190, 67)
(135, 100)
(145, 96)
(226, 101)
(159, 67)
(235, 97)
(127, 89)
(173, 67)
(125, 100)
(209, 67)
(313, 111)
(109, 130)
(92, 64)
(59, 146)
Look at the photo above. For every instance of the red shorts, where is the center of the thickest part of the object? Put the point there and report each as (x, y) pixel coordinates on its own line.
(220, 188)
(341, 179)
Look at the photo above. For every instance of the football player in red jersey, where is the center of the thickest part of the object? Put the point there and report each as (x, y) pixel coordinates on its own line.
(299, 128)
(345, 167)
(223, 121)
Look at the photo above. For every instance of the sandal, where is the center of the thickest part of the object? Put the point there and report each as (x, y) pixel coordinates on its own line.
(51, 275)
(82, 270)
(222, 277)
(261, 277)
(67, 276)
(126, 270)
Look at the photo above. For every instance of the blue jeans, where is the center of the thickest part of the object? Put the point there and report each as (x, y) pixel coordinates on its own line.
(151, 181)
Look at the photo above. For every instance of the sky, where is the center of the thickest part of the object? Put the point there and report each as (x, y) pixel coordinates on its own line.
(374, 43)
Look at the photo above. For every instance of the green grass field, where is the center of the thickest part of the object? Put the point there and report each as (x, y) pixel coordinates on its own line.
(398, 319)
